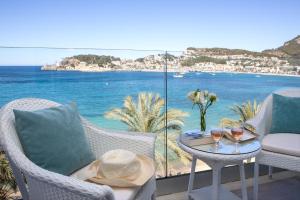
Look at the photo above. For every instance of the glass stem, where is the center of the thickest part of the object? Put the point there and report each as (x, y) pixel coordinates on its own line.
(236, 146)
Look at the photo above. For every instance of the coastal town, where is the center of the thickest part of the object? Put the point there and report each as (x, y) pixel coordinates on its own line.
(275, 61)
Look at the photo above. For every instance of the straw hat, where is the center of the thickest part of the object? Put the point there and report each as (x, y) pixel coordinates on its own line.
(123, 168)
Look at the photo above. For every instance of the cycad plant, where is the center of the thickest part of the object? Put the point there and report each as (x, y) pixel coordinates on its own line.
(7, 181)
(147, 114)
(245, 111)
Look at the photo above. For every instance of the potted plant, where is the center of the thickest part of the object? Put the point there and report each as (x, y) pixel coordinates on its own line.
(203, 99)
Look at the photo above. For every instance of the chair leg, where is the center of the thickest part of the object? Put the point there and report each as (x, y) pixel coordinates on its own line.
(270, 172)
(255, 181)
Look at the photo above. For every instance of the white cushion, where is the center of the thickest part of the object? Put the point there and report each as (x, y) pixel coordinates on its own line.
(284, 143)
(119, 193)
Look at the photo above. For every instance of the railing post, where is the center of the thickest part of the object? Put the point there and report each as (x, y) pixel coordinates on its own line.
(166, 109)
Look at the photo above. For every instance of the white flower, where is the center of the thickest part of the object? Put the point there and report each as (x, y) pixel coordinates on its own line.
(205, 93)
(202, 98)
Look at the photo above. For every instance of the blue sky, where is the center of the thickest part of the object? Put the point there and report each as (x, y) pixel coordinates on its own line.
(153, 24)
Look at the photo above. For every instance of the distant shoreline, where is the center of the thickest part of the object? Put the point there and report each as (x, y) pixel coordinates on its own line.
(259, 73)
(174, 71)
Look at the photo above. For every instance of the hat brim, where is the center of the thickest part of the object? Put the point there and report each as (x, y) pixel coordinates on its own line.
(146, 172)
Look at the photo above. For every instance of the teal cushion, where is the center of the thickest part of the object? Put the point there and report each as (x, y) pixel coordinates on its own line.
(285, 114)
(54, 138)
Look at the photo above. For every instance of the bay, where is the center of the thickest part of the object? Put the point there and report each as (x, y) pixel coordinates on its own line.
(98, 92)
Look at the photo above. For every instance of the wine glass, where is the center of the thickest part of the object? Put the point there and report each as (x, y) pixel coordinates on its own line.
(217, 135)
(237, 133)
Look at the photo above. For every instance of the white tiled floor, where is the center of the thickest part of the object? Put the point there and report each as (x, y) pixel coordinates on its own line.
(286, 178)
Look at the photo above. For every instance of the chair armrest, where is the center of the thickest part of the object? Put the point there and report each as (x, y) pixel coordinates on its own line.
(63, 187)
(102, 140)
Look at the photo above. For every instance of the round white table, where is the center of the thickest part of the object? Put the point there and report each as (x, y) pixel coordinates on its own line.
(226, 153)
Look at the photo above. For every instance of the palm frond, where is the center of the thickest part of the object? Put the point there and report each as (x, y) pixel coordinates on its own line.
(228, 123)
(245, 111)
(147, 114)
(182, 155)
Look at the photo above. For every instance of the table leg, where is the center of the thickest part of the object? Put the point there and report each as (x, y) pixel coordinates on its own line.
(255, 180)
(243, 182)
(192, 175)
(216, 183)
(220, 176)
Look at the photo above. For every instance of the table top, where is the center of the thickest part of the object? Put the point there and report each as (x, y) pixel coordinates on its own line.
(227, 152)
(227, 147)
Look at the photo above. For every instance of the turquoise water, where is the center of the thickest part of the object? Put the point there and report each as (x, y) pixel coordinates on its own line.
(96, 93)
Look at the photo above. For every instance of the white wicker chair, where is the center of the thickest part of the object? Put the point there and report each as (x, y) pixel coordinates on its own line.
(262, 122)
(36, 183)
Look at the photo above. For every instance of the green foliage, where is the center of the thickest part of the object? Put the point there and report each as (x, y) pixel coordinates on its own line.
(140, 60)
(146, 115)
(294, 61)
(225, 51)
(8, 184)
(201, 59)
(96, 59)
(168, 56)
(192, 48)
(244, 111)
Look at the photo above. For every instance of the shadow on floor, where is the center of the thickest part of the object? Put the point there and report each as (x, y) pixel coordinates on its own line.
(287, 189)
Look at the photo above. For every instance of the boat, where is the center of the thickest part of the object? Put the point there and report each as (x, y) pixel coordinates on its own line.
(177, 75)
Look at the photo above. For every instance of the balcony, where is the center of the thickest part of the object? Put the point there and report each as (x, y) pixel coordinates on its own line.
(100, 81)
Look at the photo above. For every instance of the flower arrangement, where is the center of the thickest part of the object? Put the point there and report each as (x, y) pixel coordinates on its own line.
(203, 99)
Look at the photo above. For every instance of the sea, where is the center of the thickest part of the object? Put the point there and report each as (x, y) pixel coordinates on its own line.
(98, 92)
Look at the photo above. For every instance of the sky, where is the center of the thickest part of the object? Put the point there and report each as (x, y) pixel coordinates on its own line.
(139, 24)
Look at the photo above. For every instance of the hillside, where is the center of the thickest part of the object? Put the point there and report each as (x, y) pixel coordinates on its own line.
(289, 50)
(90, 59)
(191, 61)
(282, 60)
(223, 51)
